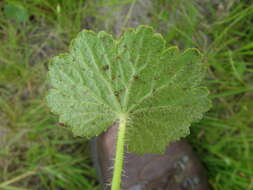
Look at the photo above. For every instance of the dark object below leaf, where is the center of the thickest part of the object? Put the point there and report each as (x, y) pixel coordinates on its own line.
(177, 169)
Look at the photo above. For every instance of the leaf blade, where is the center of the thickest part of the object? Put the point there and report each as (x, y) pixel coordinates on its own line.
(101, 78)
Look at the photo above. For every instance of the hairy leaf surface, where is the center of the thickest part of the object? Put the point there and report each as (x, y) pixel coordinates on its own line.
(156, 87)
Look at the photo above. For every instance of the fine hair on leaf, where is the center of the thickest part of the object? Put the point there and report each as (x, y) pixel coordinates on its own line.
(157, 89)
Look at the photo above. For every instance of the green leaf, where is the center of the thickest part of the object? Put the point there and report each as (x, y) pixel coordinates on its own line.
(15, 11)
(101, 79)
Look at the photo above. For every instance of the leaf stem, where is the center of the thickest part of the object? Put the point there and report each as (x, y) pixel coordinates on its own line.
(119, 157)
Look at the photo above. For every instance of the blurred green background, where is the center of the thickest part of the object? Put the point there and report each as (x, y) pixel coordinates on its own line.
(36, 153)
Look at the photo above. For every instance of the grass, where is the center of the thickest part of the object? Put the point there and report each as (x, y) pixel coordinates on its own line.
(37, 153)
